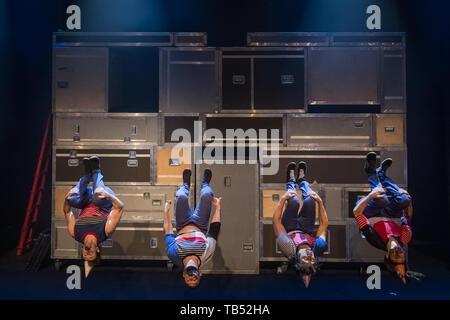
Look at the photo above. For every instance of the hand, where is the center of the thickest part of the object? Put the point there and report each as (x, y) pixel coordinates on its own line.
(320, 246)
(314, 195)
(101, 193)
(403, 191)
(167, 205)
(376, 193)
(289, 194)
(71, 193)
(216, 202)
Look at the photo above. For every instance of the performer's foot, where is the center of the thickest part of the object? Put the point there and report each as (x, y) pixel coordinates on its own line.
(301, 171)
(187, 176)
(290, 172)
(207, 175)
(94, 162)
(371, 162)
(87, 166)
(381, 171)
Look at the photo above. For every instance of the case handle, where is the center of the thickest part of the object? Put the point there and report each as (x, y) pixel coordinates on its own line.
(247, 247)
(287, 79)
(238, 79)
(358, 124)
(73, 162)
(132, 163)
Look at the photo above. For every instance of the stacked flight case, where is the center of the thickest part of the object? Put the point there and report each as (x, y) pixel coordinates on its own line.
(92, 75)
(362, 75)
(325, 98)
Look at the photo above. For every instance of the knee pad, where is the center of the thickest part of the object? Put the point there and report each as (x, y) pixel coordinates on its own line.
(286, 245)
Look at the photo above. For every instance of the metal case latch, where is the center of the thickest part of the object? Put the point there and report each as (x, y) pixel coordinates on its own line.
(133, 130)
(227, 181)
(76, 129)
(154, 243)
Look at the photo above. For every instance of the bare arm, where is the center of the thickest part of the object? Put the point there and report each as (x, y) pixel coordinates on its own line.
(276, 220)
(323, 218)
(68, 214)
(377, 192)
(116, 212)
(216, 203)
(408, 212)
(168, 227)
(363, 223)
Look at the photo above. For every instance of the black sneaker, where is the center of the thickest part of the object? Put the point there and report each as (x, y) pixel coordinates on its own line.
(87, 166)
(94, 162)
(207, 175)
(290, 172)
(371, 163)
(187, 176)
(301, 171)
(381, 171)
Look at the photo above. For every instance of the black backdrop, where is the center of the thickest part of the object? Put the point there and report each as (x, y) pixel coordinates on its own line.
(25, 82)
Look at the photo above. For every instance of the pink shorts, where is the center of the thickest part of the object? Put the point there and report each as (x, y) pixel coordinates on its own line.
(387, 229)
(302, 238)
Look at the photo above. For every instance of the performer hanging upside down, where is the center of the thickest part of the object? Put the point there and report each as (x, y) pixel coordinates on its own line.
(194, 245)
(100, 212)
(374, 214)
(295, 231)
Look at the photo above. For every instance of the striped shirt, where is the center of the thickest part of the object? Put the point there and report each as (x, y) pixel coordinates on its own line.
(92, 210)
(192, 243)
(92, 220)
(387, 228)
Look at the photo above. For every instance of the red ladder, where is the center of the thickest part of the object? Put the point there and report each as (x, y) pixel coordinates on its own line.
(35, 200)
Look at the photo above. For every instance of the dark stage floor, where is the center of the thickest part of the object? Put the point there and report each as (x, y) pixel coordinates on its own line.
(150, 282)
